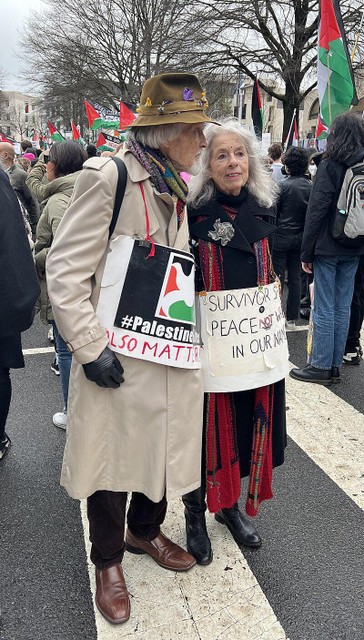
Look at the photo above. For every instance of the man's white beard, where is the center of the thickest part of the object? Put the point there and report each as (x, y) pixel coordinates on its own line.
(196, 167)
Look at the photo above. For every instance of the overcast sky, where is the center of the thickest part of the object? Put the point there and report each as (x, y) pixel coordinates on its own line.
(14, 15)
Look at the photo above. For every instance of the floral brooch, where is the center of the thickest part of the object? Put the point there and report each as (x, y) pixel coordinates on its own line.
(223, 231)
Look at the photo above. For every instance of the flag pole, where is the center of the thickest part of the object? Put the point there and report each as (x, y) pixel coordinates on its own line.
(329, 87)
(357, 37)
(291, 125)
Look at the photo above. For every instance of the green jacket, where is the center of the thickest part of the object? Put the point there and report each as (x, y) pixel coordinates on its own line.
(56, 196)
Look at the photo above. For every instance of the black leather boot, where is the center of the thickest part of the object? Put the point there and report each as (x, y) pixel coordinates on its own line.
(242, 529)
(198, 542)
(310, 373)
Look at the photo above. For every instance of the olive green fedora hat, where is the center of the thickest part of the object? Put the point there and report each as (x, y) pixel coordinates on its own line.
(169, 98)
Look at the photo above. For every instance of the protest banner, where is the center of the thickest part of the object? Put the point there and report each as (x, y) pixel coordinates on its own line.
(147, 304)
(244, 338)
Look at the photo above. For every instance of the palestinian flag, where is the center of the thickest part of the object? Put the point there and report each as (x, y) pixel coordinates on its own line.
(114, 140)
(292, 137)
(76, 136)
(257, 111)
(6, 139)
(127, 117)
(102, 144)
(335, 81)
(75, 132)
(321, 130)
(101, 118)
(54, 133)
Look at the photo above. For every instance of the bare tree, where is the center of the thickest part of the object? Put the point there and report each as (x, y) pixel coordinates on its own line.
(18, 121)
(276, 40)
(2, 82)
(104, 49)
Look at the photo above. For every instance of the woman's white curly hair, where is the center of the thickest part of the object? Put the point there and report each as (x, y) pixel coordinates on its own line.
(260, 184)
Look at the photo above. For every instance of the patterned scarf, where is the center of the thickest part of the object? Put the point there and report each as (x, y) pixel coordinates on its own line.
(163, 175)
(222, 456)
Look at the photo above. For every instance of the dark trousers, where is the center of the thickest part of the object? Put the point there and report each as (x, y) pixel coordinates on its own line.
(5, 398)
(106, 514)
(356, 310)
(289, 259)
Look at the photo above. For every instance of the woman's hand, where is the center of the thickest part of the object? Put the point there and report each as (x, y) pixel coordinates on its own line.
(307, 267)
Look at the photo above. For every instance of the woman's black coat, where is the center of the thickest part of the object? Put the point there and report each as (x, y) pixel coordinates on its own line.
(252, 223)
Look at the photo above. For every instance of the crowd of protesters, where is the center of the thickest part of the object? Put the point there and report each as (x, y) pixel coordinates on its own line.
(250, 223)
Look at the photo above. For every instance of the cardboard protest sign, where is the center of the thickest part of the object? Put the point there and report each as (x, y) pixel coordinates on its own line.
(147, 304)
(244, 338)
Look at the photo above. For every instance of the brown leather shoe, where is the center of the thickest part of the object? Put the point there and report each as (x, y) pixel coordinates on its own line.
(112, 599)
(165, 552)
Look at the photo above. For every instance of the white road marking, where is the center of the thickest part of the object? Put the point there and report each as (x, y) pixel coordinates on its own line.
(167, 605)
(221, 600)
(331, 432)
(38, 350)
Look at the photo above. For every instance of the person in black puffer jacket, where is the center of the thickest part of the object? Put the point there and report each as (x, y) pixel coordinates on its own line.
(291, 214)
(333, 264)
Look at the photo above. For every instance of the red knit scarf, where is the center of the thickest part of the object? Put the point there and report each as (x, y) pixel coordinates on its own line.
(222, 456)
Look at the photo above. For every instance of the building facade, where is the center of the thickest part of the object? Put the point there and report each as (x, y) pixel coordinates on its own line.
(273, 111)
(20, 115)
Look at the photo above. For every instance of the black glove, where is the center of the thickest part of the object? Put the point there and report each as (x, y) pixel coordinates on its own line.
(106, 370)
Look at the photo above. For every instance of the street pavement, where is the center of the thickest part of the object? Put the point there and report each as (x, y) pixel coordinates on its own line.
(306, 582)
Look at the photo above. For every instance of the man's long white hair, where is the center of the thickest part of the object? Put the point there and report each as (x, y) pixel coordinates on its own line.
(260, 184)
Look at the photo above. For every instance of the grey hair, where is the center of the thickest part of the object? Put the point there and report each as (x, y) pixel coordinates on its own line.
(260, 184)
(155, 136)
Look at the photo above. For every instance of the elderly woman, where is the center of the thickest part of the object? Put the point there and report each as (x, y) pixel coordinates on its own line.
(231, 218)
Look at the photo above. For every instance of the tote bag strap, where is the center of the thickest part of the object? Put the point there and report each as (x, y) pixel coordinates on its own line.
(120, 190)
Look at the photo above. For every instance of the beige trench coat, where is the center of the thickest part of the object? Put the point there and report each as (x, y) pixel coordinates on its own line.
(146, 435)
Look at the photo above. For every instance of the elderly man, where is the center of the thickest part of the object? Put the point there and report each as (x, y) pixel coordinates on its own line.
(145, 435)
(17, 177)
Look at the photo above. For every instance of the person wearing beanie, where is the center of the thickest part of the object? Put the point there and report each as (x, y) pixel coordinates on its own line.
(30, 156)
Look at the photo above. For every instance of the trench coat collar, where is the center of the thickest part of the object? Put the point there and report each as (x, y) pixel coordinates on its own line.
(248, 225)
(138, 173)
